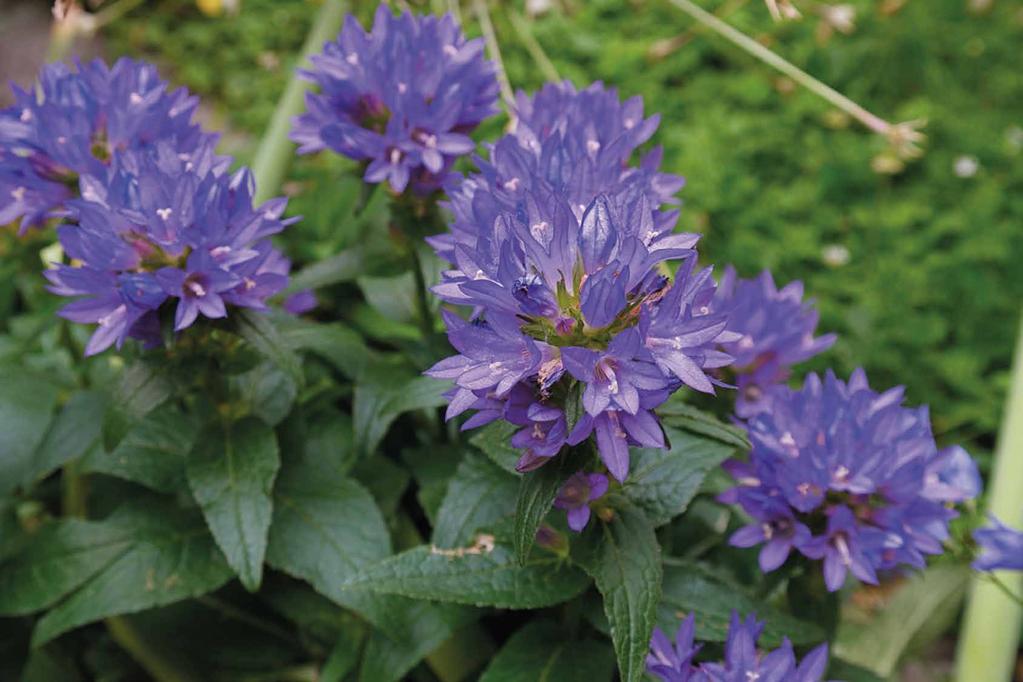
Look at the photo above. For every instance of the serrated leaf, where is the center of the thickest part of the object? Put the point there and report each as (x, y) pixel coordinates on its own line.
(680, 415)
(152, 453)
(383, 399)
(26, 410)
(537, 491)
(540, 652)
(140, 390)
(663, 482)
(574, 409)
(259, 331)
(494, 440)
(930, 598)
(231, 473)
(625, 561)
(56, 561)
(75, 431)
(692, 587)
(478, 494)
(477, 576)
(170, 557)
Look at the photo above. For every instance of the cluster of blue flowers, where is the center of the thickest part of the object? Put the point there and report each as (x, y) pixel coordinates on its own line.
(842, 473)
(673, 662)
(401, 98)
(558, 246)
(150, 213)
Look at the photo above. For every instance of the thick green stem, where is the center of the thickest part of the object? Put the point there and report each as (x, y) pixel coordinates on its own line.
(747, 44)
(991, 626)
(154, 662)
(275, 149)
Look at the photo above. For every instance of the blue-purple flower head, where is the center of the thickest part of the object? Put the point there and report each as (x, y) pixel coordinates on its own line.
(673, 661)
(1001, 547)
(558, 247)
(776, 328)
(166, 227)
(401, 97)
(576, 494)
(73, 122)
(843, 474)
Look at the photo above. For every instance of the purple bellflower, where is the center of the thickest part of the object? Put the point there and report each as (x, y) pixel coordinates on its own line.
(74, 122)
(776, 330)
(576, 495)
(1001, 547)
(848, 476)
(162, 227)
(743, 661)
(401, 97)
(566, 287)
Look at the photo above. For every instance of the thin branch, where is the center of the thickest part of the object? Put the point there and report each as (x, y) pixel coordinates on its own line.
(905, 137)
(483, 14)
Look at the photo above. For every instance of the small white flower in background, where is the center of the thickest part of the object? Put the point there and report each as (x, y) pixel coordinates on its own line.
(782, 10)
(835, 255)
(966, 166)
(841, 18)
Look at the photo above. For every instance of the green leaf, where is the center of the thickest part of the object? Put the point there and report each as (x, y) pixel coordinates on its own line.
(692, 587)
(74, 432)
(56, 561)
(26, 409)
(432, 467)
(268, 391)
(343, 267)
(494, 440)
(335, 343)
(847, 672)
(140, 390)
(480, 575)
(259, 330)
(537, 491)
(479, 494)
(152, 453)
(625, 561)
(540, 652)
(170, 557)
(425, 627)
(663, 482)
(680, 415)
(385, 480)
(231, 473)
(380, 401)
(927, 602)
(574, 409)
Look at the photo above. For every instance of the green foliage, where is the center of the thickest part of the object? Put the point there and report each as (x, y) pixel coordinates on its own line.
(541, 652)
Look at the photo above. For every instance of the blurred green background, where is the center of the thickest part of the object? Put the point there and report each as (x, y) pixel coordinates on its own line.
(917, 268)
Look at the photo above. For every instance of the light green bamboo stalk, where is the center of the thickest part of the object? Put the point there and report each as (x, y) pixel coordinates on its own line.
(991, 627)
(275, 149)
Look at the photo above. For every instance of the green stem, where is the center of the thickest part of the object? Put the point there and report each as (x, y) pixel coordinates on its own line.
(275, 149)
(423, 311)
(747, 44)
(75, 491)
(159, 667)
(991, 626)
(533, 46)
(490, 38)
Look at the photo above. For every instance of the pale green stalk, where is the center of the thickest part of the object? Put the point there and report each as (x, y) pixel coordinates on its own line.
(494, 50)
(991, 626)
(275, 149)
(532, 45)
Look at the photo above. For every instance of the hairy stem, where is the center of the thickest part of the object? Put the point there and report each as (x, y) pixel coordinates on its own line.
(275, 149)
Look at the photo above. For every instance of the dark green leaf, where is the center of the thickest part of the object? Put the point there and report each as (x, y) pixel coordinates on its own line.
(625, 561)
(56, 561)
(424, 627)
(678, 414)
(662, 482)
(268, 391)
(692, 587)
(494, 440)
(231, 473)
(26, 409)
(259, 330)
(540, 652)
(140, 390)
(432, 467)
(478, 494)
(170, 557)
(848, 672)
(479, 575)
(574, 405)
(152, 453)
(343, 267)
(74, 432)
(337, 344)
(380, 401)
(537, 491)
(384, 479)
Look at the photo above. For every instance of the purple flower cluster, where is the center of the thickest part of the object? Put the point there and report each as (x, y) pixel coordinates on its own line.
(558, 246)
(402, 98)
(1001, 548)
(74, 122)
(577, 493)
(166, 226)
(841, 473)
(670, 662)
(776, 328)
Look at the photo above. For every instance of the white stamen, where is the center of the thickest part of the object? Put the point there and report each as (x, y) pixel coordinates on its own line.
(746, 342)
(197, 289)
(164, 213)
(704, 309)
(18, 193)
(768, 531)
(352, 58)
(512, 185)
(450, 50)
(107, 320)
(841, 473)
(495, 365)
(135, 98)
(629, 123)
(593, 146)
(250, 284)
(843, 549)
(402, 88)
(26, 115)
(61, 140)
(539, 230)
(395, 156)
